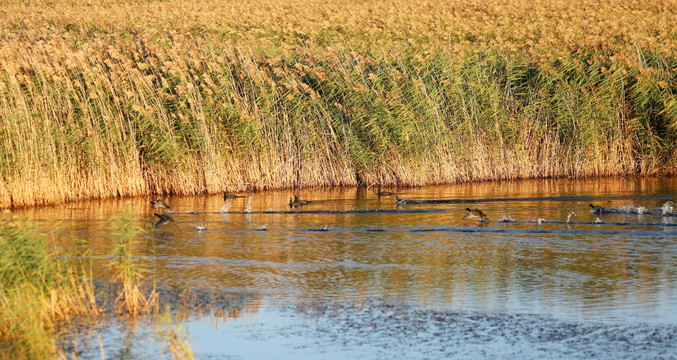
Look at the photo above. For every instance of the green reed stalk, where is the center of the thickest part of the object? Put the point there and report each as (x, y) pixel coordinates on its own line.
(130, 267)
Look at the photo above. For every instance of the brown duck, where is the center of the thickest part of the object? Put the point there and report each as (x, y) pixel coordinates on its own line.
(159, 204)
(295, 201)
(476, 214)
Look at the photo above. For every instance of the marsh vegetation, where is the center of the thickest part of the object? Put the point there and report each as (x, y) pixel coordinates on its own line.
(127, 98)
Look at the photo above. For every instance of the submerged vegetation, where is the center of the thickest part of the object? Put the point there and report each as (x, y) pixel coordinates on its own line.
(43, 291)
(120, 98)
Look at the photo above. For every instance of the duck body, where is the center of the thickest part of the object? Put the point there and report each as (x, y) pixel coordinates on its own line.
(159, 204)
(230, 196)
(163, 219)
(384, 193)
(597, 209)
(401, 201)
(295, 201)
(667, 208)
(476, 214)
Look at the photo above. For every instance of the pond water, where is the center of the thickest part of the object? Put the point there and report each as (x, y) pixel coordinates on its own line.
(349, 247)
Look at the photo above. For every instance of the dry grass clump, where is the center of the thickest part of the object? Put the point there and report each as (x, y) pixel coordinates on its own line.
(43, 291)
(113, 98)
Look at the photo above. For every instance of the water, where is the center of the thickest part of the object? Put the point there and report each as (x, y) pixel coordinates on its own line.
(351, 247)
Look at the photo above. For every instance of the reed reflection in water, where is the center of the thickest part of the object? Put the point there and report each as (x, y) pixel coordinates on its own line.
(350, 244)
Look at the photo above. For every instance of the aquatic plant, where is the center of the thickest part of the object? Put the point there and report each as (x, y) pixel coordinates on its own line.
(43, 290)
(39, 292)
(132, 98)
(131, 268)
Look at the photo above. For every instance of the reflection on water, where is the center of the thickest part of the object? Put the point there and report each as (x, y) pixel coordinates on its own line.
(342, 247)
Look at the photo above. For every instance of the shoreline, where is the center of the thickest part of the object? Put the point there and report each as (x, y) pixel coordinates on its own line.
(250, 190)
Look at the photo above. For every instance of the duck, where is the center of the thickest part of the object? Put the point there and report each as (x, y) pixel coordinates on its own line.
(248, 209)
(295, 201)
(159, 204)
(667, 208)
(383, 193)
(230, 196)
(163, 219)
(476, 214)
(571, 213)
(597, 209)
(401, 201)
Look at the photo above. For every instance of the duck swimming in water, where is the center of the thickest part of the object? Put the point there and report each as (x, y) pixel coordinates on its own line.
(476, 214)
(597, 209)
(401, 201)
(163, 219)
(571, 213)
(383, 193)
(230, 196)
(667, 208)
(159, 204)
(295, 201)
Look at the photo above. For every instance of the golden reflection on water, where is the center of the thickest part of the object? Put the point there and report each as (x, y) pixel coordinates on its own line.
(423, 254)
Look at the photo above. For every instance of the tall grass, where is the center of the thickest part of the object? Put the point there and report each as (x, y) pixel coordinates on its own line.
(43, 291)
(131, 268)
(38, 293)
(131, 98)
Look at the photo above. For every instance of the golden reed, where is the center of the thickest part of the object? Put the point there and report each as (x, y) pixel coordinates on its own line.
(128, 98)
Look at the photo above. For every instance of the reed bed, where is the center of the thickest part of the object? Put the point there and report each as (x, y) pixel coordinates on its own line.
(38, 294)
(127, 98)
(43, 291)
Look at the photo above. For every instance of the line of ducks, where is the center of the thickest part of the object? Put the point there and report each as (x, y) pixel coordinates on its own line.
(165, 218)
(666, 209)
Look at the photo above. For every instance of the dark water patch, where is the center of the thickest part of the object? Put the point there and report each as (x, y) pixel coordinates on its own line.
(481, 230)
(340, 212)
(188, 300)
(537, 198)
(406, 332)
(376, 328)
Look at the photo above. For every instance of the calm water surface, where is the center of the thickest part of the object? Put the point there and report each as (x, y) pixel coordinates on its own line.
(419, 254)
(425, 255)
